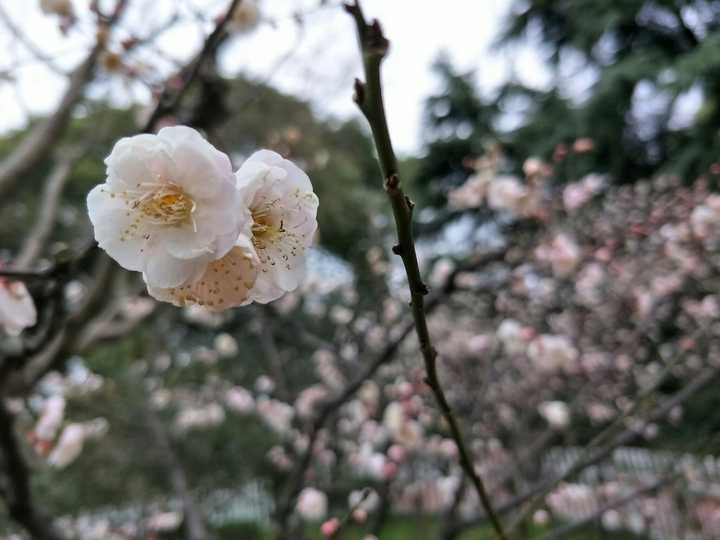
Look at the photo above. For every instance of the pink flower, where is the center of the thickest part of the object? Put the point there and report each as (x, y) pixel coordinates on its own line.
(330, 527)
(583, 145)
(562, 253)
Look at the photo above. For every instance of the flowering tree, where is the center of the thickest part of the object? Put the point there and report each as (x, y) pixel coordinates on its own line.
(187, 346)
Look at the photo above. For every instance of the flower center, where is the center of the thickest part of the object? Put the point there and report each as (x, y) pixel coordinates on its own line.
(167, 205)
(263, 228)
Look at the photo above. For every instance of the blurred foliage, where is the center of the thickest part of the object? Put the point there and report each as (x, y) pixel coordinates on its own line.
(647, 65)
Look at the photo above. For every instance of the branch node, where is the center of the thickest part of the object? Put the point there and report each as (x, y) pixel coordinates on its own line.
(397, 249)
(377, 43)
(422, 289)
(392, 183)
(359, 94)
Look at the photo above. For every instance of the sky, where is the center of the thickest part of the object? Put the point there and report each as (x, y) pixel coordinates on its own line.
(316, 60)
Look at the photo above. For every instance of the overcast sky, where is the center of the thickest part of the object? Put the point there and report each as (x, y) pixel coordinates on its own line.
(316, 61)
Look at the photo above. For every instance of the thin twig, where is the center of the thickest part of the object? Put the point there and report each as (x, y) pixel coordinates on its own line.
(169, 100)
(50, 201)
(374, 47)
(31, 151)
(194, 523)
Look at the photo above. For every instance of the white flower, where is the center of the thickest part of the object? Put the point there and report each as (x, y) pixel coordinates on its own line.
(239, 400)
(283, 208)
(17, 309)
(312, 504)
(366, 499)
(225, 345)
(552, 353)
(705, 217)
(201, 417)
(68, 447)
(168, 206)
(309, 400)
(394, 417)
(562, 253)
(277, 415)
(51, 418)
(264, 385)
(508, 193)
(511, 335)
(472, 193)
(556, 413)
(164, 521)
(225, 283)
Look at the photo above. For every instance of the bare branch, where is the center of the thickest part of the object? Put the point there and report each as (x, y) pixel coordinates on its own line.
(194, 525)
(374, 47)
(169, 100)
(16, 491)
(50, 201)
(33, 148)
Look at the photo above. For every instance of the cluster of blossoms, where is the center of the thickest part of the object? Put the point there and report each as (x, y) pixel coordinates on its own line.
(172, 208)
(58, 441)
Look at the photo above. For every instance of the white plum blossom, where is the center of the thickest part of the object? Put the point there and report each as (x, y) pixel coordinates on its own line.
(69, 447)
(705, 218)
(283, 209)
(312, 504)
(264, 385)
(225, 345)
(366, 499)
(50, 419)
(511, 334)
(551, 353)
(168, 206)
(508, 193)
(404, 430)
(17, 309)
(225, 283)
(309, 400)
(472, 193)
(556, 413)
(562, 253)
(202, 417)
(164, 521)
(277, 415)
(240, 400)
(577, 194)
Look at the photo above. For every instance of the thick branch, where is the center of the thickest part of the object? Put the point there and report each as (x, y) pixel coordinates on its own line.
(16, 490)
(368, 96)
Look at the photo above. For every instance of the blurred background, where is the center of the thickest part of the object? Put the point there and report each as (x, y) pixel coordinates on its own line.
(564, 158)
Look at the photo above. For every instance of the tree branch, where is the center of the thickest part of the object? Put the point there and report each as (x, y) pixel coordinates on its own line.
(33, 148)
(50, 201)
(193, 519)
(374, 47)
(169, 100)
(17, 493)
